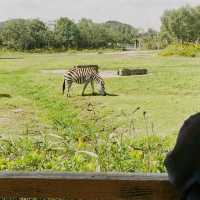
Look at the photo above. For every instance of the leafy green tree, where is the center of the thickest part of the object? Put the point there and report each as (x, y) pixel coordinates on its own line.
(181, 24)
(21, 34)
(39, 33)
(85, 27)
(93, 35)
(66, 33)
(15, 34)
(122, 33)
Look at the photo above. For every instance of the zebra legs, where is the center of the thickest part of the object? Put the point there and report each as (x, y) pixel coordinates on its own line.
(68, 88)
(84, 87)
(92, 86)
(63, 86)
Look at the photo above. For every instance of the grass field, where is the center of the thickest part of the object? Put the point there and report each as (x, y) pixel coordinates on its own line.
(32, 105)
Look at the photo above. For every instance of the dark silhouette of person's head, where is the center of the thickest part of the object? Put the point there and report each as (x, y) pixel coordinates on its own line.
(183, 162)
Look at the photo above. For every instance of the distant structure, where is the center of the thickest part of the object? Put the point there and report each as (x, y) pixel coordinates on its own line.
(130, 47)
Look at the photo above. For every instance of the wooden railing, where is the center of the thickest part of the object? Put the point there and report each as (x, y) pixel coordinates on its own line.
(87, 186)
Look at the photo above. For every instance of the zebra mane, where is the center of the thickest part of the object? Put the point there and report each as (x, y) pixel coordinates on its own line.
(95, 67)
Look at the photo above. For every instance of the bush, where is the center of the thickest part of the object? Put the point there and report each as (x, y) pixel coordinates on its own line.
(186, 49)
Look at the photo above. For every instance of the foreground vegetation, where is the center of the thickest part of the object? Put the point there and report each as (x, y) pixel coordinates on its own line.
(130, 130)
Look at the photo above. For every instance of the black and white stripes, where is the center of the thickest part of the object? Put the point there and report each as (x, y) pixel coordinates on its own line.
(95, 67)
(84, 75)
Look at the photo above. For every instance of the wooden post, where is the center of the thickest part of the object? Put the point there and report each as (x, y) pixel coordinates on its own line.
(87, 186)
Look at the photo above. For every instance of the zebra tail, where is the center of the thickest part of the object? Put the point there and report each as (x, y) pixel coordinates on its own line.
(64, 86)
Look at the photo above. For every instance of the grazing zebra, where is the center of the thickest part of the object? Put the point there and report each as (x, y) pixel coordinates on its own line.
(83, 75)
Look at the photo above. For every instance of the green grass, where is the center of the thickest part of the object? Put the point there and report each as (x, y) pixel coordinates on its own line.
(38, 118)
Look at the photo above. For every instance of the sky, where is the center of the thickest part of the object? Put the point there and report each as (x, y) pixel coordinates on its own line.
(139, 13)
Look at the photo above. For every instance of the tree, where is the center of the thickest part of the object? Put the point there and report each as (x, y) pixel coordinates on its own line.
(39, 33)
(94, 35)
(122, 33)
(85, 27)
(181, 24)
(21, 34)
(66, 33)
(15, 34)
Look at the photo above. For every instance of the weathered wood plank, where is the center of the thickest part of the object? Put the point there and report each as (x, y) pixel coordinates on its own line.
(87, 186)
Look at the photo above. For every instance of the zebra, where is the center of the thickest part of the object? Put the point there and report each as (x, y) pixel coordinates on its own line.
(83, 75)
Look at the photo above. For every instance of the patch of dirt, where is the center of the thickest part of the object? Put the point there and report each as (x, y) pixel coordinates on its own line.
(109, 74)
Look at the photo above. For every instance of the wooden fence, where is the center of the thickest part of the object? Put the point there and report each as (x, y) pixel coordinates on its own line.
(87, 186)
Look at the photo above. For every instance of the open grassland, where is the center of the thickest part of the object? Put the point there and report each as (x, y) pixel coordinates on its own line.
(42, 129)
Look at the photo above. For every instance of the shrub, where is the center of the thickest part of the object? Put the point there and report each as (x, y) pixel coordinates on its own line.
(186, 49)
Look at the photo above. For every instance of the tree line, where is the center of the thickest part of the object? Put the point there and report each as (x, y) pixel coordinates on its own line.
(26, 34)
(182, 25)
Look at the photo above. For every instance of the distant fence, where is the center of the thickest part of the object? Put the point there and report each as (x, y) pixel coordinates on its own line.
(87, 186)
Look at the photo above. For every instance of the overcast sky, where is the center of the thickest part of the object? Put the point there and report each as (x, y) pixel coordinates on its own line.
(139, 13)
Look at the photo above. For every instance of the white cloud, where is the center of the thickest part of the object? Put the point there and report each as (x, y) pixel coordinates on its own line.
(140, 13)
